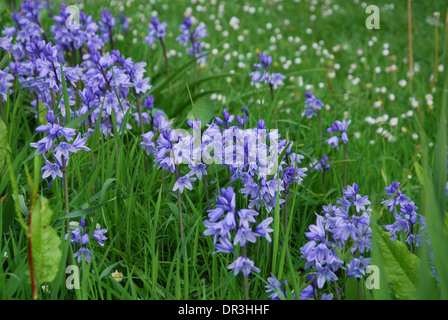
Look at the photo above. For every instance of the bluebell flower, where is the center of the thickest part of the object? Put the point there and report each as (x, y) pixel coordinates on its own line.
(406, 217)
(340, 127)
(51, 169)
(263, 74)
(313, 105)
(278, 289)
(327, 296)
(198, 170)
(234, 227)
(357, 267)
(193, 37)
(80, 237)
(107, 24)
(184, 182)
(6, 80)
(243, 265)
(263, 229)
(83, 251)
(329, 238)
(148, 103)
(59, 149)
(228, 119)
(321, 165)
(98, 235)
(223, 245)
(157, 30)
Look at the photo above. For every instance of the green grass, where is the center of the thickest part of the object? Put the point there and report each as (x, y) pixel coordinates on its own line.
(117, 186)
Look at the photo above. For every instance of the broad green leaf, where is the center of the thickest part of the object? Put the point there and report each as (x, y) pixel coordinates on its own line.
(4, 61)
(400, 266)
(45, 243)
(420, 174)
(204, 110)
(42, 113)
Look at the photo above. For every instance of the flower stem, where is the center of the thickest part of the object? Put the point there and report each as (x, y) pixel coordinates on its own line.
(436, 55)
(206, 190)
(246, 281)
(411, 245)
(67, 207)
(323, 181)
(2, 111)
(140, 115)
(345, 165)
(273, 110)
(30, 257)
(411, 63)
(336, 290)
(179, 203)
(167, 65)
(320, 129)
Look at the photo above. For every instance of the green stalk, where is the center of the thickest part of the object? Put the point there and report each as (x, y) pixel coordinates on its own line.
(345, 165)
(271, 87)
(246, 281)
(65, 176)
(179, 203)
(411, 62)
(167, 64)
(436, 55)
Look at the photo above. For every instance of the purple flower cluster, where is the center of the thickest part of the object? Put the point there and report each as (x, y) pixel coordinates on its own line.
(277, 289)
(107, 82)
(313, 105)
(405, 213)
(233, 146)
(107, 24)
(312, 292)
(60, 150)
(80, 237)
(336, 232)
(263, 74)
(157, 30)
(230, 227)
(193, 37)
(340, 127)
(5, 83)
(320, 165)
(78, 33)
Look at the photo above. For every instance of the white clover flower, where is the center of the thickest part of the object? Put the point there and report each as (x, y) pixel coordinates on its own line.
(370, 120)
(234, 23)
(117, 276)
(393, 121)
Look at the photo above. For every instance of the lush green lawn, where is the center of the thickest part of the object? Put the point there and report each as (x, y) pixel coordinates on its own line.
(324, 47)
